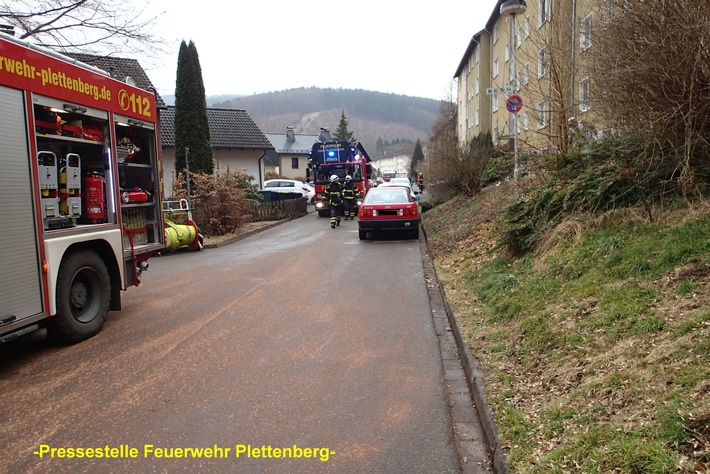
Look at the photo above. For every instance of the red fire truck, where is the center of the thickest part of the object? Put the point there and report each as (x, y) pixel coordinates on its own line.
(337, 157)
(80, 195)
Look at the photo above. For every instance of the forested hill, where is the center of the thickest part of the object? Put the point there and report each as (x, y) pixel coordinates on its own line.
(372, 116)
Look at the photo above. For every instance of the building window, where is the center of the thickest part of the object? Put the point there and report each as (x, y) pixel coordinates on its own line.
(541, 63)
(478, 84)
(495, 102)
(519, 36)
(526, 73)
(495, 67)
(517, 81)
(585, 33)
(495, 136)
(541, 114)
(478, 115)
(478, 55)
(496, 33)
(526, 119)
(584, 86)
(543, 6)
(294, 163)
(507, 53)
(527, 27)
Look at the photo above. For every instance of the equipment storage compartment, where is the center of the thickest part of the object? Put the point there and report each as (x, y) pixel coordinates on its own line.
(136, 155)
(73, 163)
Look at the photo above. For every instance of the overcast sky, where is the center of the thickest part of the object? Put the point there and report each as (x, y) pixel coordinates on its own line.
(409, 48)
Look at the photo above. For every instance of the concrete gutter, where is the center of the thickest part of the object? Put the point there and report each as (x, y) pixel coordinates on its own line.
(474, 378)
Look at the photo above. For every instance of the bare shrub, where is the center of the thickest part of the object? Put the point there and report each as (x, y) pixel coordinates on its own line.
(651, 69)
(220, 200)
(452, 166)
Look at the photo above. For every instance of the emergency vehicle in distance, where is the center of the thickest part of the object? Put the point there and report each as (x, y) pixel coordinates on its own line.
(387, 175)
(337, 157)
(80, 192)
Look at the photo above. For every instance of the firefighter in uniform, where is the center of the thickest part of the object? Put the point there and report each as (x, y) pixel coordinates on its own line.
(350, 193)
(420, 182)
(333, 194)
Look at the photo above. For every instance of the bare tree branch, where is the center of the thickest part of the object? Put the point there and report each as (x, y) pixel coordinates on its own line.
(105, 27)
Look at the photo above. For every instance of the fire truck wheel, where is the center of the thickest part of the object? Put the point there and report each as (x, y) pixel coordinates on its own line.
(83, 298)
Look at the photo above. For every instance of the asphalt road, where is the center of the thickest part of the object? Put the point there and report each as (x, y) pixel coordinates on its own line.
(298, 349)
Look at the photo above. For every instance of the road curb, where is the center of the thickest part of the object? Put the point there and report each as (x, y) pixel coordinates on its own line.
(474, 378)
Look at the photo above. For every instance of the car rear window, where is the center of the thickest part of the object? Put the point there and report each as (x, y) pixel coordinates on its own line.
(386, 196)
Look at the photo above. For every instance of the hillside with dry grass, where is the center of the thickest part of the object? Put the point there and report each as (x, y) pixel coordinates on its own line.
(595, 347)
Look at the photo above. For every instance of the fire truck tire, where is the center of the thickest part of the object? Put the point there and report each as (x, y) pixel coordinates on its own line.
(83, 298)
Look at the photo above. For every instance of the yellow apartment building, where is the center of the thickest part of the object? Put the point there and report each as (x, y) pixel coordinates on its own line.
(538, 54)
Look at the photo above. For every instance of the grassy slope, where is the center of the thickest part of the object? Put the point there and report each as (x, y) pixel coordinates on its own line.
(596, 350)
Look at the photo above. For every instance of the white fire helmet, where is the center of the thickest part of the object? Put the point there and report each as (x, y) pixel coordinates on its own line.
(334, 178)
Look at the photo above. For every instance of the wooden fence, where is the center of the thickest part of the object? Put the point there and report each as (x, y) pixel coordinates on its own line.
(277, 210)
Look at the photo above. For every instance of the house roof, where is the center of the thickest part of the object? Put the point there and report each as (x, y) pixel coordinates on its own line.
(120, 68)
(472, 45)
(229, 129)
(301, 144)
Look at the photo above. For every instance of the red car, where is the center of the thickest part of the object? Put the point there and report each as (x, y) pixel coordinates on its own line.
(390, 208)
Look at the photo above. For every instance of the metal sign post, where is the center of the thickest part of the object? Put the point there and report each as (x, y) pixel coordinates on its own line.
(511, 8)
(187, 175)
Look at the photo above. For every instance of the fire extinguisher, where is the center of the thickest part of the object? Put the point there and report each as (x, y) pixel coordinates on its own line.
(135, 196)
(94, 207)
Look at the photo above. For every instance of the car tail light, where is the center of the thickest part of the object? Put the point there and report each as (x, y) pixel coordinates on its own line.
(411, 211)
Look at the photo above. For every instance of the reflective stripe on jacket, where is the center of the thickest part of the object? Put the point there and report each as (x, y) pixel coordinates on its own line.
(350, 192)
(332, 193)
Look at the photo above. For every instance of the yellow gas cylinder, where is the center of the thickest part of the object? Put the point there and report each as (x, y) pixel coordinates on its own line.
(63, 192)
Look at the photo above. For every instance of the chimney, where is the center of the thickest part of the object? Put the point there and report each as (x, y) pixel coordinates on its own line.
(290, 134)
(325, 135)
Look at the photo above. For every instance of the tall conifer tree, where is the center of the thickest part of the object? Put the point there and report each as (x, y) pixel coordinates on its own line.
(417, 156)
(191, 125)
(342, 132)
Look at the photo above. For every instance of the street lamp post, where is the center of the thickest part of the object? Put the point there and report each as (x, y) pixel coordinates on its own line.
(512, 8)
